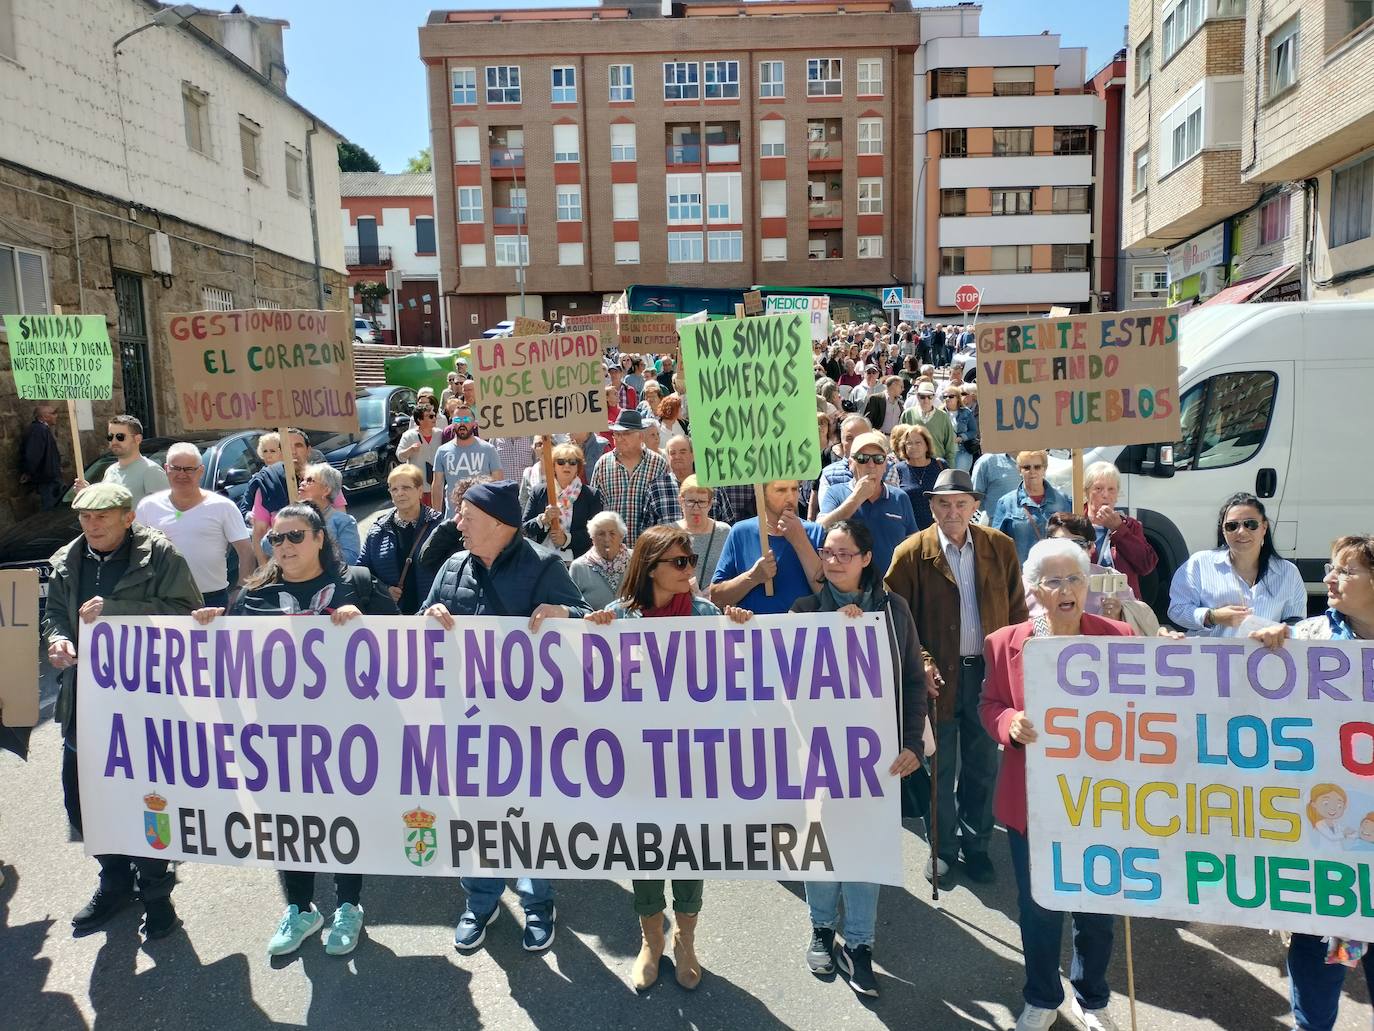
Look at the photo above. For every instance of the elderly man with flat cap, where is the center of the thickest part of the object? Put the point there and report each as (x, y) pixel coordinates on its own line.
(962, 582)
(502, 573)
(116, 567)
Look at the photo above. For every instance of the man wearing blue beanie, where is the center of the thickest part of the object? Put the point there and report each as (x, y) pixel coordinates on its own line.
(502, 573)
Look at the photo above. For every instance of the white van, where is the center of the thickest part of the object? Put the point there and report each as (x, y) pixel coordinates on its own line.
(1277, 400)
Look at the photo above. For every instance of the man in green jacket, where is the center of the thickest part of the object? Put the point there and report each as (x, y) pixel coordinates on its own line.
(113, 569)
(936, 421)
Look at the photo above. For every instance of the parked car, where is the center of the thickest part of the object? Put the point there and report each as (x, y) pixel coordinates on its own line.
(501, 329)
(366, 458)
(365, 331)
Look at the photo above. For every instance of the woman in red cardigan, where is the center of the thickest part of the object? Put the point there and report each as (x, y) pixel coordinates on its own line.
(1121, 543)
(1058, 569)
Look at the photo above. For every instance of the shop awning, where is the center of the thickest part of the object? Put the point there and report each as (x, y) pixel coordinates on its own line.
(1246, 289)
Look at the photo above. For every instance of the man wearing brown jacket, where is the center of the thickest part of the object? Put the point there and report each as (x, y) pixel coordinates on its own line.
(962, 582)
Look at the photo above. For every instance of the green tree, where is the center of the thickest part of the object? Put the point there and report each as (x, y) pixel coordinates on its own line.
(353, 158)
(421, 162)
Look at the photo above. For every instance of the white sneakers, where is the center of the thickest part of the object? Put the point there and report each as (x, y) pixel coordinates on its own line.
(930, 868)
(1036, 1018)
(1093, 1020)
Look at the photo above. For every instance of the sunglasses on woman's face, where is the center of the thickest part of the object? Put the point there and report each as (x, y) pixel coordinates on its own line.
(116, 436)
(565, 461)
(1232, 525)
(294, 536)
(680, 562)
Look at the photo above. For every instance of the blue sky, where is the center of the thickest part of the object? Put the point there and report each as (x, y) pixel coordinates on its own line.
(355, 64)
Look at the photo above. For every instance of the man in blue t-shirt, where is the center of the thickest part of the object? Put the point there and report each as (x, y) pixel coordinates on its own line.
(886, 511)
(791, 563)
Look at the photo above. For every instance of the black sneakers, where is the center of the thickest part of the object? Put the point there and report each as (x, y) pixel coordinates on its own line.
(820, 953)
(856, 967)
(103, 905)
(160, 919)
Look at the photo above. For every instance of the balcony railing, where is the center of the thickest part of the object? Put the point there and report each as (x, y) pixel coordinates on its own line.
(722, 153)
(508, 216)
(507, 157)
(687, 154)
(826, 209)
(824, 151)
(374, 255)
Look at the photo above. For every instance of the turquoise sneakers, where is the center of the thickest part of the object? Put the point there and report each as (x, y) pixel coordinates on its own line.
(294, 928)
(342, 936)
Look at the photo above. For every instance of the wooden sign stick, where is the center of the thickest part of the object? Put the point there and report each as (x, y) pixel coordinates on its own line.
(288, 462)
(77, 458)
(550, 481)
(763, 533)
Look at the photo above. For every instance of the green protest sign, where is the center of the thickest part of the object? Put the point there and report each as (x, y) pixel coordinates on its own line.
(752, 391)
(60, 357)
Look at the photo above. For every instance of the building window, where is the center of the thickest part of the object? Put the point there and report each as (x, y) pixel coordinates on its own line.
(684, 248)
(24, 282)
(725, 247)
(472, 255)
(503, 85)
(1013, 82)
(1273, 218)
(469, 204)
(681, 80)
(625, 202)
(1352, 203)
(1144, 59)
(1068, 257)
(1071, 200)
(773, 138)
(565, 146)
(723, 198)
(770, 79)
(1142, 169)
(954, 202)
(564, 85)
(212, 298)
(570, 254)
(722, 80)
(195, 107)
(467, 146)
(294, 165)
(250, 147)
(512, 250)
(1283, 57)
(870, 196)
(424, 235)
(870, 135)
(684, 199)
(1357, 12)
(569, 203)
(1011, 259)
(627, 252)
(949, 82)
(1186, 139)
(622, 79)
(773, 198)
(7, 43)
(951, 261)
(823, 77)
(954, 143)
(622, 141)
(1149, 282)
(1012, 202)
(870, 247)
(1013, 142)
(465, 86)
(1181, 20)
(1228, 8)
(1072, 139)
(774, 249)
(871, 77)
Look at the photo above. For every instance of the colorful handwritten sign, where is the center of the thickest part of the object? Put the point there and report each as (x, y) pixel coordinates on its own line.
(528, 327)
(603, 325)
(243, 370)
(815, 307)
(753, 302)
(545, 384)
(691, 748)
(1207, 780)
(647, 333)
(753, 400)
(1081, 381)
(60, 357)
(19, 640)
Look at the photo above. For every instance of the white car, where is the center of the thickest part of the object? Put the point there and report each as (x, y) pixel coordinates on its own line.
(501, 329)
(365, 331)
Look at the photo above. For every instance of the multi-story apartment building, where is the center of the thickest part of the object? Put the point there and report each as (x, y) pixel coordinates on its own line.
(1011, 153)
(150, 165)
(389, 238)
(579, 151)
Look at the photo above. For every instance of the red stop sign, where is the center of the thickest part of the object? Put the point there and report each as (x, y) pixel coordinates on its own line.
(966, 298)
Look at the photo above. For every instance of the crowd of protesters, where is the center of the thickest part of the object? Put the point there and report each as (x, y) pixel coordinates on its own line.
(969, 555)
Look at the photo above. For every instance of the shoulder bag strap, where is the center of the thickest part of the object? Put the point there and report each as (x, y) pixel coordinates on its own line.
(1034, 525)
(420, 534)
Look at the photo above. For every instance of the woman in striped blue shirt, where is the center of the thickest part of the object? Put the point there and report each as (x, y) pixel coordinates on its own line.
(1240, 586)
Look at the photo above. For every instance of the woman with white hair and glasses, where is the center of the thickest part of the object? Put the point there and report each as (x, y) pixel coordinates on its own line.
(320, 485)
(1119, 540)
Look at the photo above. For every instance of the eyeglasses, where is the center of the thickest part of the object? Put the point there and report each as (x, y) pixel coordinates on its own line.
(695, 503)
(116, 436)
(838, 555)
(1058, 583)
(185, 469)
(1232, 525)
(864, 458)
(950, 397)
(1341, 572)
(464, 418)
(1031, 468)
(565, 461)
(294, 536)
(680, 562)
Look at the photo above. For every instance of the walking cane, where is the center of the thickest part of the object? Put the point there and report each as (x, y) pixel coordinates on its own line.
(934, 831)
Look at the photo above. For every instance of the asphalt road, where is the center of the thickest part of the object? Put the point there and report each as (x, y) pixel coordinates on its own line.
(950, 964)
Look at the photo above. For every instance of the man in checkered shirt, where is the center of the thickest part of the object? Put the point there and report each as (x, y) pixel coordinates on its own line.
(623, 476)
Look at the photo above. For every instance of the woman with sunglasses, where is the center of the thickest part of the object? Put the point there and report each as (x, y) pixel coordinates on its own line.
(853, 585)
(1022, 513)
(306, 577)
(965, 425)
(657, 584)
(564, 523)
(1240, 586)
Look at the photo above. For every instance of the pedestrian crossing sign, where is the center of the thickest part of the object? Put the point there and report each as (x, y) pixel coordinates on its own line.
(893, 296)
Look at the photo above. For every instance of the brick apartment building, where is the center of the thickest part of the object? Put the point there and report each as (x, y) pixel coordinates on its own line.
(713, 144)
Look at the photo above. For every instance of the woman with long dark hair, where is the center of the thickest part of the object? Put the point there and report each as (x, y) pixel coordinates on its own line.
(306, 577)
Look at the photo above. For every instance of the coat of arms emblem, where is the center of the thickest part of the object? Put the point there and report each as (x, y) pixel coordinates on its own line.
(421, 841)
(157, 826)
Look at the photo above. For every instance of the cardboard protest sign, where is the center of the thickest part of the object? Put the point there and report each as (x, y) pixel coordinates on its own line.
(603, 325)
(688, 748)
(19, 640)
(243, 370)
(646, 333)
(1078, 382)
(840, 316)
(527, 327)
(544, 384)
(1059, 311)
(912, 310)
(753, 400)
(1203, 780)
(753, 302)
(61, 357)
(815, 307)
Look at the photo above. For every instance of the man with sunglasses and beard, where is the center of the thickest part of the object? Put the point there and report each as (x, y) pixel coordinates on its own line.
(138, 475)
(885, 511)
(463, 457)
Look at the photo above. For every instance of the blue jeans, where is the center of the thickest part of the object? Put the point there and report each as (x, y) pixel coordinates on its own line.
(965, 809)
(963, 460)
(1315, 985)
(536, 893)
(860, 908)
(1042, 934)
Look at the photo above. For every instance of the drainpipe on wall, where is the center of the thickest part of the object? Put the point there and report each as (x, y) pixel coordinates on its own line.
(314, 215)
